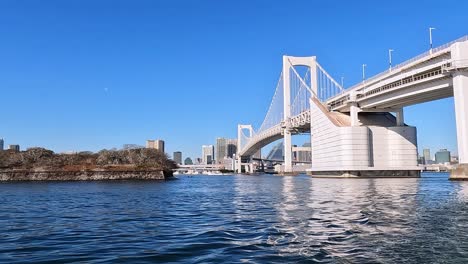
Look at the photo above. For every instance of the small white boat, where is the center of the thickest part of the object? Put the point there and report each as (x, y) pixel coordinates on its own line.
(212, 173)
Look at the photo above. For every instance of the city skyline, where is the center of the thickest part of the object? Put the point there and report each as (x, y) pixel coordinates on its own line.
(103, 92)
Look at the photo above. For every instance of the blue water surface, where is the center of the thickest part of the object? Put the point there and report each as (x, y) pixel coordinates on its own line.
(236, 219)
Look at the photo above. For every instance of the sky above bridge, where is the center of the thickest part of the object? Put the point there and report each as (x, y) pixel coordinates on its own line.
(88, 75)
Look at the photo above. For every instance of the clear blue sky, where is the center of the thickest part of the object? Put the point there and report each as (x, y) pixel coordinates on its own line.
(87, 75)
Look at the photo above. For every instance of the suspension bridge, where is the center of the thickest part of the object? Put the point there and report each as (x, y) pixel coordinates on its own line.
(360, 131)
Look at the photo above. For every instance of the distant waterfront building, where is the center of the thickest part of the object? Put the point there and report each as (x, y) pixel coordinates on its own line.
(225, 148)
(258, 154)
(294, 153)
(14, 147)
(453, 159)
(304, 155)
(178, 157)
(442, 156)
(221, 149)
(155, 144)
(228, 163)
(421, 160)
(188, 161)
(207, 152)
(427, 156)
(131, 146)
(1, 144)
(209, 159)
(231, 147)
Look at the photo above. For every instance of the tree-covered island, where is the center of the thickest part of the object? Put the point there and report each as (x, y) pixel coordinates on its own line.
(44, 164)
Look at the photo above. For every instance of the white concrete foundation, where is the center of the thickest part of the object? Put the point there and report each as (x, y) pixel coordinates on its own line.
(343, 150)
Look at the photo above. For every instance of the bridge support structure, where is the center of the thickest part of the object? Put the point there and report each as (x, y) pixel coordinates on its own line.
(238, 163)
(374, 145)
(460, 94)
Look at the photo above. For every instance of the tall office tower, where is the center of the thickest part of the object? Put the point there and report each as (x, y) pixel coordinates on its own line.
(221, 149)
(160, 145)
(442, 156)
(225, 148)
(231, 147)
(1, 144)
(427, 155)
(177, 157)
(207, 150)
(155, 144)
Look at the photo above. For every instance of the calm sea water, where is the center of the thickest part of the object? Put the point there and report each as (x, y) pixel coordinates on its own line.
(231, 219)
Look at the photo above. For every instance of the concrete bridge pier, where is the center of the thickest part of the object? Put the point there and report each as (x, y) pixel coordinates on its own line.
(460, 94)
(287, 151)
(361, 143)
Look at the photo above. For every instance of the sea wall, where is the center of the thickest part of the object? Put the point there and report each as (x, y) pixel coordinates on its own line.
(32, 175)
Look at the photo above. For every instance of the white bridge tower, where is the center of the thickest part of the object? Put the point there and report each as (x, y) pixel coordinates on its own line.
(288, 63)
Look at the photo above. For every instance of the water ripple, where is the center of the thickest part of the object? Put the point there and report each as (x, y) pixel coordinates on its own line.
(264, 219)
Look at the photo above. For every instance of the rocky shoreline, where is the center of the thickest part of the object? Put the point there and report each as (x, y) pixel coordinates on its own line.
(101, 175)
(90, 175)
(39, 164)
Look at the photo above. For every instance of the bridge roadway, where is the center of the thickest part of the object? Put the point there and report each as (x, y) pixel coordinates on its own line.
(424, 78)
(299, 124)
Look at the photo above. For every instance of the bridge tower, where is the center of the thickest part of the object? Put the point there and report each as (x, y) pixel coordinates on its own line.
(288, 62)
(238, 162)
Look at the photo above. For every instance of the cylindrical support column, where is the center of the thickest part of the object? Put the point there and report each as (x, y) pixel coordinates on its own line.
(354, 110)
(287, 151)
(460, 94)
(400, 118)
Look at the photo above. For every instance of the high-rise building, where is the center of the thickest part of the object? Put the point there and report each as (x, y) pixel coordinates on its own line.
(209, 159)
(1, 144)
(178, 157)
(14, 147)
(207, 150)
(188, 161)
(427, 156)
(225, 148)
(155, 144)
(221, 149)
(231, 147)
(442, 156)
